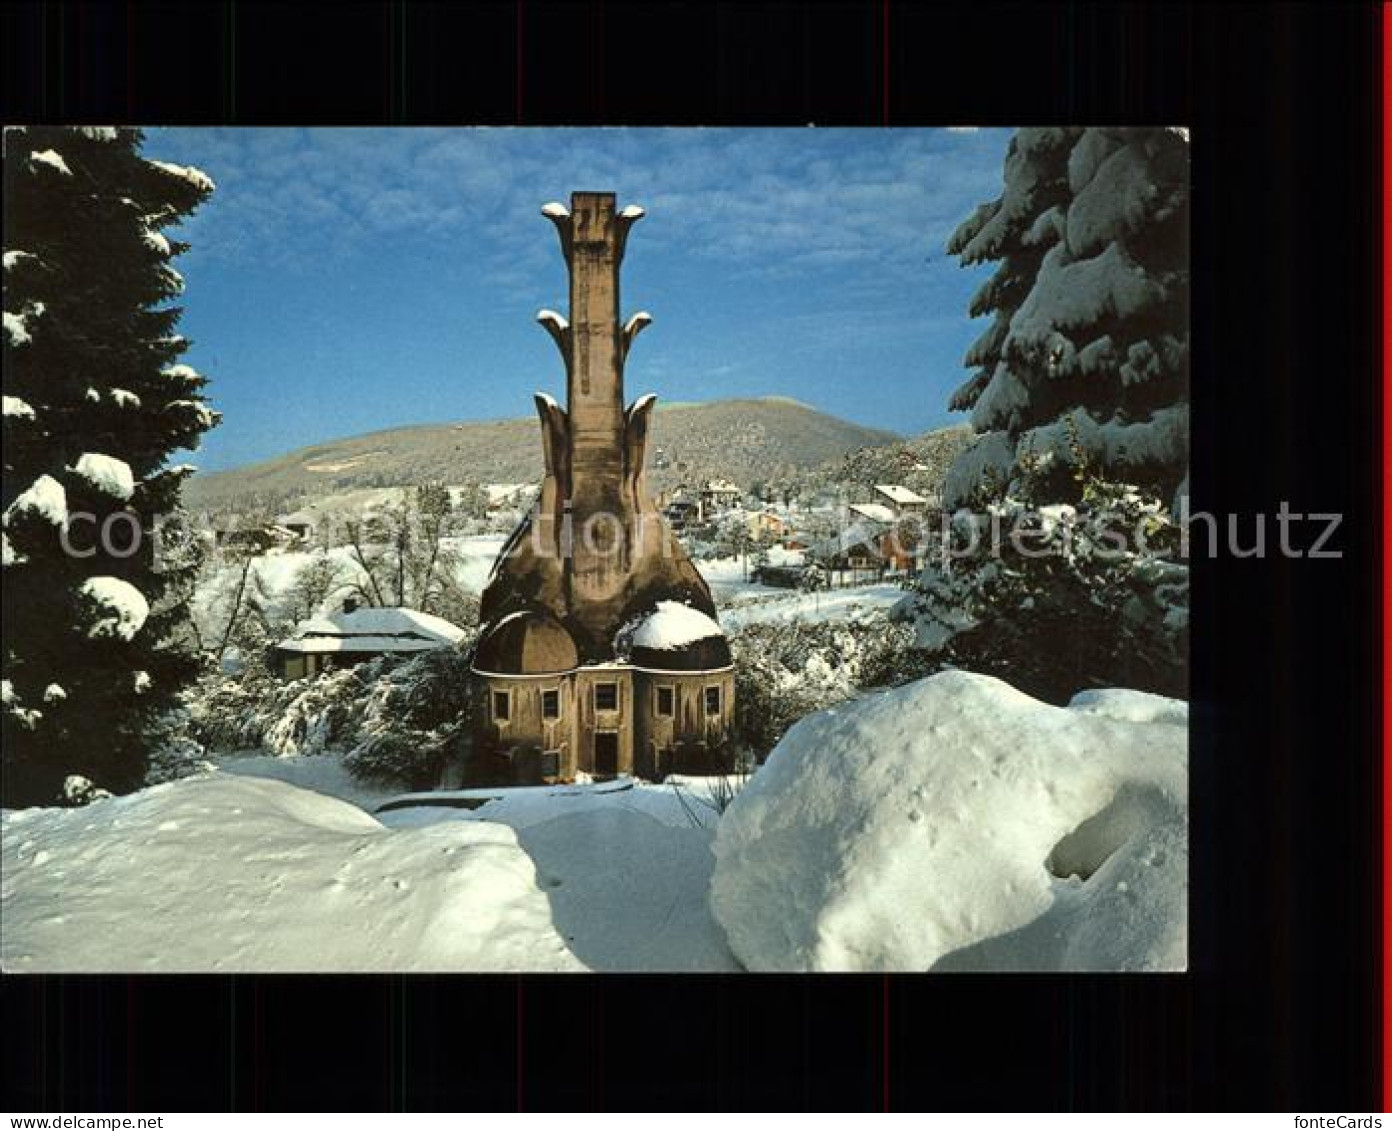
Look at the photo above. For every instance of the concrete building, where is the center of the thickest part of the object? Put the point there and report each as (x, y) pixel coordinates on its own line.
(599, 652)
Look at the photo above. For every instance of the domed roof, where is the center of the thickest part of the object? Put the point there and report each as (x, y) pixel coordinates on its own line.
(526, 643)
(676, 637)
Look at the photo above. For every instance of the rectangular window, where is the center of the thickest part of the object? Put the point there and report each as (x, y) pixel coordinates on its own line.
(502, 705)
(550, 704)
(713, 700)
(606, 696)
(550, 763)
(666, 706)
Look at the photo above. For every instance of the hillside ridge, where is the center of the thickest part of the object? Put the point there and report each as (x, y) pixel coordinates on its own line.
(746, 440)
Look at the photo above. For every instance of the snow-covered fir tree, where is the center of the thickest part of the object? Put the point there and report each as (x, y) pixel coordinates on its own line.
(1087, 351)
(96, 401)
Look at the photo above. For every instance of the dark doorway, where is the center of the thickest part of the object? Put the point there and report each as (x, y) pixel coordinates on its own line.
(606, 752)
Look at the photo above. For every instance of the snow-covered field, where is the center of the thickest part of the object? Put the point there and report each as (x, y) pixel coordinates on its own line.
(951, 824)
(741, 602)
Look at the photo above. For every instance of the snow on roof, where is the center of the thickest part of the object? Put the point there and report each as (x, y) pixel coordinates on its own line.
(399, 620)
(876, 512)
(51, 158)
(899, 494)
(106, 473)
(122, 607)
(45, 497)
(373, 630)
(633, 212)
(555, 211)
(674, 625)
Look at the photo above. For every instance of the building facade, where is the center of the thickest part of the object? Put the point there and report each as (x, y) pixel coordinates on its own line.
(599, 652)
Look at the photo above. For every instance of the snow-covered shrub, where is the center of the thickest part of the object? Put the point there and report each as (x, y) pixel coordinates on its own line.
(785, 671)
(319, 714)
(398, 718)
(1057, 599)
(79, 790)
(175, 753)
(956, 823)
(415, 721)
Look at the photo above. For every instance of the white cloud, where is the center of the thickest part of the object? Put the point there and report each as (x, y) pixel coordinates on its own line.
(780, 203)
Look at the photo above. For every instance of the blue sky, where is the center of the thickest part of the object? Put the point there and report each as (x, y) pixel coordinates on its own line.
(345, 280)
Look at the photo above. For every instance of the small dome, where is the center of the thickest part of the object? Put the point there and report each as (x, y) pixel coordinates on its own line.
(676, 637)
(526, 643)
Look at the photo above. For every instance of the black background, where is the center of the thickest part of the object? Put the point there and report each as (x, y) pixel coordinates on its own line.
(1281, 1009)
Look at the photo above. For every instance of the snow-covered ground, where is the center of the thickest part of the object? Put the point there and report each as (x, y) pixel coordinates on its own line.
(957, 824)
(743, 602)
(241, 870)
(952, 824)
(771, 605)
(229, 873)
(740, 602)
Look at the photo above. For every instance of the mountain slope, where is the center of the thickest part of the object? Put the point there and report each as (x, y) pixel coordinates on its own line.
(742, 440)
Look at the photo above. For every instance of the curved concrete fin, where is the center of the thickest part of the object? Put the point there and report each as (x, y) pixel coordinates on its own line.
(636, 421)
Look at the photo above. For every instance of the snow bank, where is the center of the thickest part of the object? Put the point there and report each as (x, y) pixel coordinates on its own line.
(626, 867)
(237, 874)
(956, 823)
(107, 474)
(121, 609)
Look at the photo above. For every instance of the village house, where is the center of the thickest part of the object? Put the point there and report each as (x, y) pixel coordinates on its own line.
(599, 652)
(875, 514)
(355, 635)
(300, 523)
(718, 496)
(903, 501)
(867, 551)
(765, 527)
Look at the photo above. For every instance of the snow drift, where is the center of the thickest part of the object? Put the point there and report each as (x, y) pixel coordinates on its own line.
(957, 824)
(224, 873)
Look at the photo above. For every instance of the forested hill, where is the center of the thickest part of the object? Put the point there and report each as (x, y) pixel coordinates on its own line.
(746, 441)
